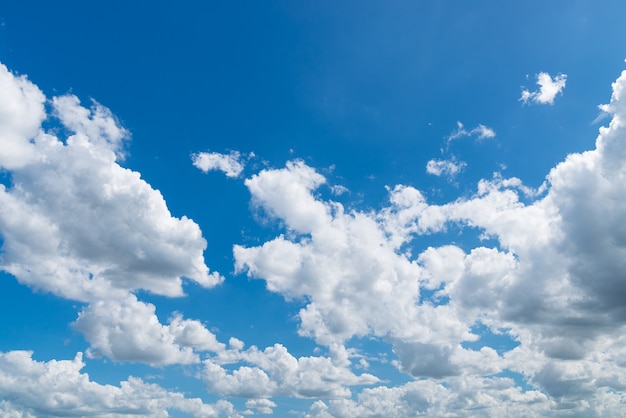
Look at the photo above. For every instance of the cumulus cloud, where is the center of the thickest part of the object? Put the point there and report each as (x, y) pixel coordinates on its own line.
(129, 330)
(229, 164)
(549, 88)
(461, 397)
(262, 406)
(31, 388)
(275, 372)
(553, 282)
(77, 224)
(21, 113)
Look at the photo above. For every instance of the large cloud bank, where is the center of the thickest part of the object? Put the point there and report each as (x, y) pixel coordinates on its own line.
(74, 222)
(554, 283)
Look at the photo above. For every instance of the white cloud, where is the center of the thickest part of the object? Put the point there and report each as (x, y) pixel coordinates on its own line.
(229, 164)
(554, 282)
(480, 132)
(460, 397)
(21, 113)
(96, 125)
(129, 330)
(449, 168)
(338, 189)
(77, 224)
(262, 406)
(275, 372)
(548, 89)
(58, 388)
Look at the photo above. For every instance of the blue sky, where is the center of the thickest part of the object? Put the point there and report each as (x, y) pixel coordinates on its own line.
(309, 209)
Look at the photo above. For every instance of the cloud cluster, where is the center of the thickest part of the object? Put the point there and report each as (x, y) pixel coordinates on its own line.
(450, 167)
(77, 224)
(460, 397)
(549, 88)
(275, 372)
(548, 276)
(554, 282)
(30, 388)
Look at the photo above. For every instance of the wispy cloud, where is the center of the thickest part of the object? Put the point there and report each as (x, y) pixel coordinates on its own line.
(480, 132)
(548, 89)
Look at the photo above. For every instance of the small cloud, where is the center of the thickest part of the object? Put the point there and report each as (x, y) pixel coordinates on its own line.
(548, 89)
(338, 189)
(229, 164)
(480, 132)
(449, 168)
(483, 132)
(262, 406)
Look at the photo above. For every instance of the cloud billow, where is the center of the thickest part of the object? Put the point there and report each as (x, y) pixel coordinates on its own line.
(77, 224)
(554, 283)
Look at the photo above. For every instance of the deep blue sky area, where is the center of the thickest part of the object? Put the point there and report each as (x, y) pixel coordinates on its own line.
(412, 208)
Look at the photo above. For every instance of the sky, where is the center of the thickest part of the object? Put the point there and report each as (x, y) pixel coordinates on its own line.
(313, 209)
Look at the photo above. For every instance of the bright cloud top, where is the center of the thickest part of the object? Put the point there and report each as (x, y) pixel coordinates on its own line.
(229, 164)
(549, 88)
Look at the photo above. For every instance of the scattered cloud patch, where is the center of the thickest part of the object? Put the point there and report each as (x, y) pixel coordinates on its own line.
(59, 388)
(448, 168)
(533, 285)
(549, 88)
(338, 190)
(275, 372)
(230, 164)
(480, 132)
(356, 273)
(262, 406)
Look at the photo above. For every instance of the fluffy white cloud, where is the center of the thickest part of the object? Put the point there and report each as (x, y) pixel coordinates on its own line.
(554, 283)
(348, 264)
(129, 330)
(229, 164)
(21, 113)
(262, 406)
(548, 89)
(476, 397)
(75, 223)
(58, 388)
(448, 168)
(275, 372)
(78, 224)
